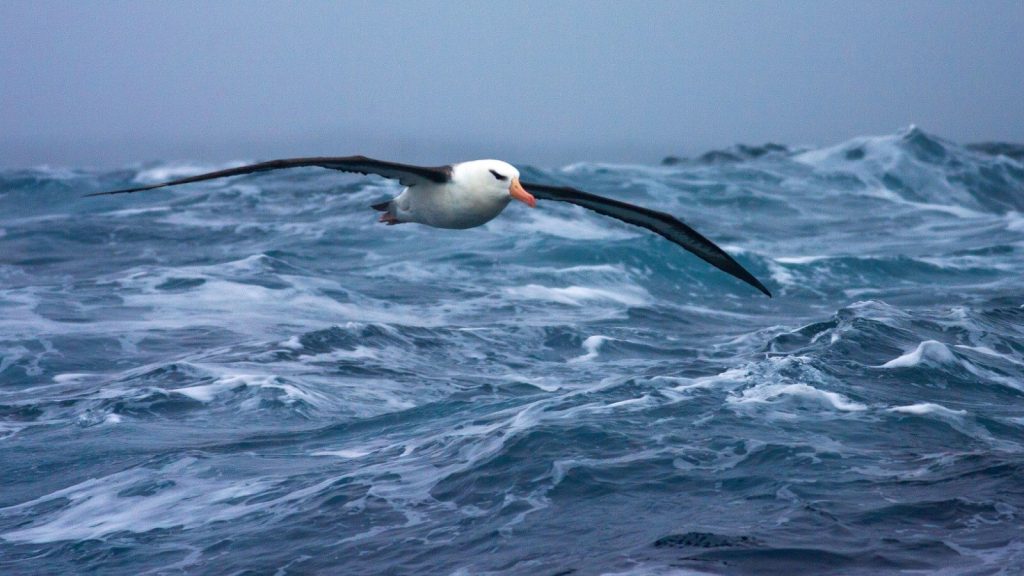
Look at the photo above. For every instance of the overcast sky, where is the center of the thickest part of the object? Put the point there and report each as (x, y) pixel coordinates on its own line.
(92, 83)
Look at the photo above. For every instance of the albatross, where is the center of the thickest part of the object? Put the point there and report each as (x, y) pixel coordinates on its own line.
(469, 194)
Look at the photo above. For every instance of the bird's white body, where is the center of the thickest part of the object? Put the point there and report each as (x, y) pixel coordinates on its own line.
(477, 193)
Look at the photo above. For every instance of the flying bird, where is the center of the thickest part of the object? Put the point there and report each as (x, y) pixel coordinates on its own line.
(468, 194)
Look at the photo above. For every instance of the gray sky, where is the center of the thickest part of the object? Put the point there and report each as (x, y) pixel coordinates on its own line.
(112, 83)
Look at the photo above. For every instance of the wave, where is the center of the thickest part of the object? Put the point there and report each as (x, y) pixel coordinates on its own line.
(921, 168)
(185, 376)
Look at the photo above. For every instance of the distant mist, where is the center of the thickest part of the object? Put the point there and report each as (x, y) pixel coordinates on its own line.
(113, 83)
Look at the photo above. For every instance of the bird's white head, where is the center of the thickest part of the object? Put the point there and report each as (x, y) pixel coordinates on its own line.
(495, 176)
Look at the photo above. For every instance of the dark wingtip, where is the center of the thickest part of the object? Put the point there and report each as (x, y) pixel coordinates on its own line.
(124, 191)
(750, 279)
(753, 281)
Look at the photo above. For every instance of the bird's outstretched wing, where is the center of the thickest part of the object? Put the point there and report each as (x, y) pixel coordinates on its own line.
(407, 174)
(658, 222)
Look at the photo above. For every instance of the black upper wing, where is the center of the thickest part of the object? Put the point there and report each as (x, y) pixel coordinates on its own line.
(658, 222)
(407, 174)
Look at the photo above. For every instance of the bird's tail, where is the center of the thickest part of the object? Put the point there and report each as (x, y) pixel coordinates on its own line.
(388, 217)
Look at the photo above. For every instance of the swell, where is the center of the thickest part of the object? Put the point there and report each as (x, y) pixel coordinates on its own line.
(186, 376)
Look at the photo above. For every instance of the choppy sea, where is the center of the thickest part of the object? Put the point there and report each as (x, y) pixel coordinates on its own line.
(252, 376)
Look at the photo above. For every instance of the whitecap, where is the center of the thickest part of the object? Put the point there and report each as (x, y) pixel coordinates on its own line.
(591, 345)
(732, 375)
(612, 269)
(288, 393)
(579, 227)
(69, 377)
(800, 259)
(292, 343)
(357, 353)
(781, 274)
(543, 383)
(203, 392)
(580, 295)
(161, 174)
(924, 408)
(761, 394)
(951, 209)
(137, 211)
(715, 312)
(891, 168)
(932, 353)
(929, 352)
(99, 506)
(350, 453)
(990, 352)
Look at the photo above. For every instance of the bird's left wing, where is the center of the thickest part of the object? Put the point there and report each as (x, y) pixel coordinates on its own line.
(407, 174)
(660, 223)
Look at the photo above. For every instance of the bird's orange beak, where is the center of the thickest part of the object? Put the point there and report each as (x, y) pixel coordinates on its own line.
(517, 191)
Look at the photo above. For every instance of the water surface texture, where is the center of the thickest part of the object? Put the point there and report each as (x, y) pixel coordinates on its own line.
(252, 376)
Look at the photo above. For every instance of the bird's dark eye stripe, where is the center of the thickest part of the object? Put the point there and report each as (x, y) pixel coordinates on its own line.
(499, 176)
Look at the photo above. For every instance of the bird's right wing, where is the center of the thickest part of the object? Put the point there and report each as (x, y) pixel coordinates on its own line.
(660, 223)
(406, 174)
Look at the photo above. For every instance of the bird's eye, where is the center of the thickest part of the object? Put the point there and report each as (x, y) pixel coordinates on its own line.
(499, 176)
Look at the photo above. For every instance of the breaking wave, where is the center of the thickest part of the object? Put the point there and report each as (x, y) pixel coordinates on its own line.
(190, 374)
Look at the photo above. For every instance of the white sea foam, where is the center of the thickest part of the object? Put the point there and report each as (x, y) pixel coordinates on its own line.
(545, 383)
(591, 345)
(935, 354)
(290, 393)
(69, 377)
(96, 507)
(160, 174)
(859, 292)
(57, 172)
(714, 312)
(780, 274)
(357, 353)
(924, 408)
(990, 352)
(233, 334)
(611, 269)
(929, 353)
(878, 310)
(579, 226)
(730, 377)
(878, 158)
(349, 453)
(137, 211)
(767, 393)
(247, 307)
(951, 209)
(292, 343)
(800, 259)
(580, 295)
(204, 392)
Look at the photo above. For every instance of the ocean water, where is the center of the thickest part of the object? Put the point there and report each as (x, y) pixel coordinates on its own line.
(252, 376)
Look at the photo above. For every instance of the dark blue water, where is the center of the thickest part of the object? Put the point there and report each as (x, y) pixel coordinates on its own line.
(252, 376)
